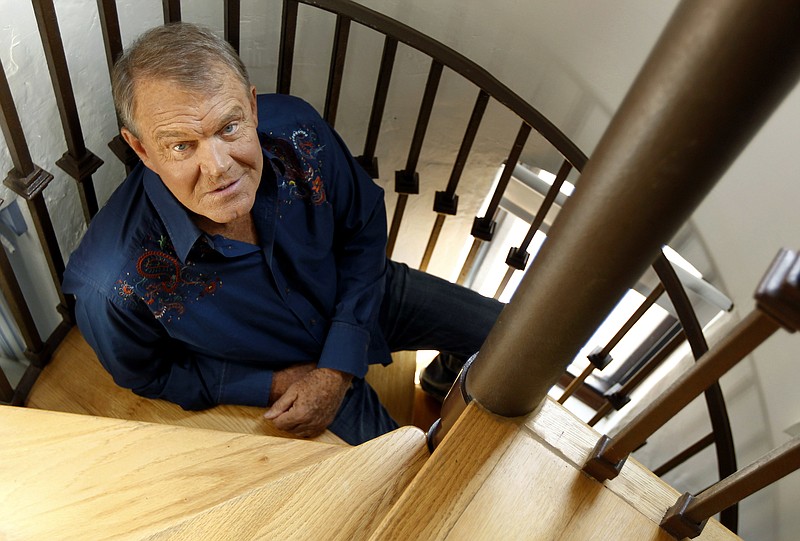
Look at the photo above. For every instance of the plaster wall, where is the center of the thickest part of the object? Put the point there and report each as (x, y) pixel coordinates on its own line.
(573, 60)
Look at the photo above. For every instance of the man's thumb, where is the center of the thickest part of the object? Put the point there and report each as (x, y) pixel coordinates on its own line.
(280, 406)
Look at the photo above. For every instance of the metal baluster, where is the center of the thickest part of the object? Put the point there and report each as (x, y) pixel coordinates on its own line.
(6, 392)
(112, 39)
(368, 160)
(406, 181)
(19, 309)
(601, 357)
(689, 514)
(619, 395)
(29, 181)
(446, 202)
(78, 161)
(232, 16)
(684, 455)
(483, 227)
(518, 257)
(338, 55)
(172, 11)
(286, 52)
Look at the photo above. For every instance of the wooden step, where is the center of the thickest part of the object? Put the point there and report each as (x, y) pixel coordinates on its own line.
(65, 476)
(76, 382)
(520, 479)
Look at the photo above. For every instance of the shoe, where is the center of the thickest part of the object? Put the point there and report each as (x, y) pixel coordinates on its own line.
(438, 377)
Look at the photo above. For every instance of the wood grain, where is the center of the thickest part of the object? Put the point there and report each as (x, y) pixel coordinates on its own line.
(449, 480)
(75, 382)
(573, 440)
(496, 478)
(65, 476)
(341, 498)
(395, 385)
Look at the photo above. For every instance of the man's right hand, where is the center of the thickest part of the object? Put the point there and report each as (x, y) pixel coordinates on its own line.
(310, 404)
(283, 379)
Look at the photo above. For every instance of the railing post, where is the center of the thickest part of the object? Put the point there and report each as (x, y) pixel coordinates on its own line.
(483, 226)
(286, 51)
(78, 161)
(367, 159)
(717, 72)
(778, 298)
(517, 258)
(29, 181)
(112, 39)
(446, 202)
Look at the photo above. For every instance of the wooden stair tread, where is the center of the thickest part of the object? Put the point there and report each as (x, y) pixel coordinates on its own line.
(497, 478)
(66, 476)
(75, 382)
(341, 498)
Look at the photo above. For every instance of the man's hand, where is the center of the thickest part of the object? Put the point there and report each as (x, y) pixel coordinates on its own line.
(310, 404)
(283, 379)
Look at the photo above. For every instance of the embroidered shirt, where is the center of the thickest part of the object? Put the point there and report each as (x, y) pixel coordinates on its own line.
(201, 320)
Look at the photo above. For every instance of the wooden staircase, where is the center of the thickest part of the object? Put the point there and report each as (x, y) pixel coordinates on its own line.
(104, 463)
(67, 476)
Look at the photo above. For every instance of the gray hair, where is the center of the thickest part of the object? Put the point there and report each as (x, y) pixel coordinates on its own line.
(187, 54)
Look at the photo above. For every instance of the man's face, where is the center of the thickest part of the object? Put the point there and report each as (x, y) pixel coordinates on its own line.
(204, 147)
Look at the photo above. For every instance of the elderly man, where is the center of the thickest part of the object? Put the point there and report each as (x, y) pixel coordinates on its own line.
(243, 260)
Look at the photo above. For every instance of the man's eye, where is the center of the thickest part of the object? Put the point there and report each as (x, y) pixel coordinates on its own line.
(180, 147)
(230, 128)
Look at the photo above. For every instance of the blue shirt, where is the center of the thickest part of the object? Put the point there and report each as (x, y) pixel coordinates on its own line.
(200, 320)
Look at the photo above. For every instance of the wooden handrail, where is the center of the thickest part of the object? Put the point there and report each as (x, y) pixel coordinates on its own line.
(688, 516)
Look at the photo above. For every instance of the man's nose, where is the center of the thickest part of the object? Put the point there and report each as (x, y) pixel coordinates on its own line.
(215, 158)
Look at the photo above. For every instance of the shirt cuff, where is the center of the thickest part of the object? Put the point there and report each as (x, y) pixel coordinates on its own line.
(245, 385)
(346, 349)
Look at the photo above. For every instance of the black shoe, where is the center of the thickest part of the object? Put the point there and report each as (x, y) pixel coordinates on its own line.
(437, 378)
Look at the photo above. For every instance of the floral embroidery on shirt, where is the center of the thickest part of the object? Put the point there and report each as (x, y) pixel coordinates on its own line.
(298, 155)
(163, 282)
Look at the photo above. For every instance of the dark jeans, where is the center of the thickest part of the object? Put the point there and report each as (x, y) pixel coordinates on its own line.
(419, 311)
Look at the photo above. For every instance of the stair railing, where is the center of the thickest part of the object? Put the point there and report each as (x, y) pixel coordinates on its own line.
(702, 94)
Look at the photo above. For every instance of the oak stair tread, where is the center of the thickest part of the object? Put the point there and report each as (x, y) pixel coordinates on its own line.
(497, 478)
(67, 476)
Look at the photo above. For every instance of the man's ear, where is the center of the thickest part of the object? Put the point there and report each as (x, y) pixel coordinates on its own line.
(253, 102)
(135, 144)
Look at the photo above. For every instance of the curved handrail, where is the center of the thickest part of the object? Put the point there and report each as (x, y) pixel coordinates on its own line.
(715, 401)
(461, 65)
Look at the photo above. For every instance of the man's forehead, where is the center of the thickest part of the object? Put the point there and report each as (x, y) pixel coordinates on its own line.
(168, 104)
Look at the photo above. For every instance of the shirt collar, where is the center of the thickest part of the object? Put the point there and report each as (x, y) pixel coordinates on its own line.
(181, 229)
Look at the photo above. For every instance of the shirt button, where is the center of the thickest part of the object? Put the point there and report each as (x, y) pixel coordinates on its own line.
(288, 290)
(313, 321)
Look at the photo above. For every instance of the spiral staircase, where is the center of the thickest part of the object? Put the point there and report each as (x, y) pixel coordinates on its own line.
(86, 460)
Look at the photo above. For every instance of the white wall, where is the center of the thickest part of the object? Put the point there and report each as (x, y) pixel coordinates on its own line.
(573, 60)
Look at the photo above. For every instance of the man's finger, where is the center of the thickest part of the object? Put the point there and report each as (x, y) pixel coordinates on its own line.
(281, 405)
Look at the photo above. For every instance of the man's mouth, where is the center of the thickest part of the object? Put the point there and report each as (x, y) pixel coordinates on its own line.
(226, 186)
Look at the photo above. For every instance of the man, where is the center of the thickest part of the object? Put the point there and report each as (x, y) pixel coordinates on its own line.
(243, 260)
